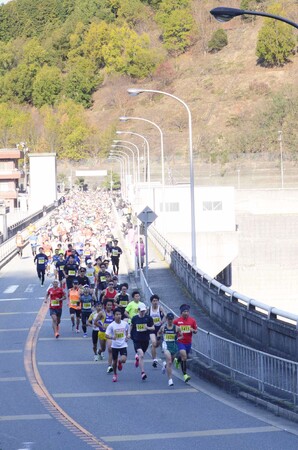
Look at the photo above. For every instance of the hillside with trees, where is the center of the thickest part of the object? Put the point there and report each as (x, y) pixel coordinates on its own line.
(65, 66)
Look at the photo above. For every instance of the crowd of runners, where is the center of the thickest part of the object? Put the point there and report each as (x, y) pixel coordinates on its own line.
(79, 254)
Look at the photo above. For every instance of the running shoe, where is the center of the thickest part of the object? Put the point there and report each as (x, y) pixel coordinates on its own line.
(170, 382)
(72, 328)
(114, 379)
(57, 335)
(85, 334)
(154, 364)
(164, 365)
(137, 361)
(176, 362)
(77, 330)
(186, 378)
(110, 369)
(119, 365)
(95, 358)
(143, 376)
(100, 355)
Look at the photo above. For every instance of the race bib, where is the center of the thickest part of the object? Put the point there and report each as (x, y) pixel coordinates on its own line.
(169, 337)
(123, 303)
(71, 272)
(41, 261)
(73, 303)
(185, 328)
(102, 279)
(119, 334)
(114, 252)
(87, 305)
(141, 327)
(61, 268)
(55, 303)
(156, 320)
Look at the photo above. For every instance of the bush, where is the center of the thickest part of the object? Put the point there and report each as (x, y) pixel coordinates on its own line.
(218, 41)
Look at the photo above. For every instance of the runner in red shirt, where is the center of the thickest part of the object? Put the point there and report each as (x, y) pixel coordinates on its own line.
(56, 295)
(187, 326)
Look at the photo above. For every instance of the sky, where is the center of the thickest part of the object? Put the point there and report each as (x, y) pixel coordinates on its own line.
(2, 2)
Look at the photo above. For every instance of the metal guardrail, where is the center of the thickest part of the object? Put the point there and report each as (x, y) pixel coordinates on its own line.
(264, 372)
(8, 247)
(184, 264)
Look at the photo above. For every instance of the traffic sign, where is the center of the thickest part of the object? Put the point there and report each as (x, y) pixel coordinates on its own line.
(147, 216)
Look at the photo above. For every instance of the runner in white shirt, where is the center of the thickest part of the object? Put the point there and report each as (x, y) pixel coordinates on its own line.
(95, 329)
(118, 333)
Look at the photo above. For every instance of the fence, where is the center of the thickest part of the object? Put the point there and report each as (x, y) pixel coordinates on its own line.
(264, 372)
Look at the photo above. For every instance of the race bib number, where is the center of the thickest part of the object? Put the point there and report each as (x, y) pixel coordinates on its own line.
(73, 303)
(169, 337)
(185, 328)
(87, 305)
(119, 334)
(141, 327)
(71, 272)
(156, 320)
(103, 279)
(61, 268)
(114, 252)
(41, 261)
(123, 303)
(55, 303)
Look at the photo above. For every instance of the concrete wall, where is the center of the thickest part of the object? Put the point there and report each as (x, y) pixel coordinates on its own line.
(43, 180)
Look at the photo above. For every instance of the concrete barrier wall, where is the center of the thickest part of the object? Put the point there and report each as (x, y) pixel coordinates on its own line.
(257, 326)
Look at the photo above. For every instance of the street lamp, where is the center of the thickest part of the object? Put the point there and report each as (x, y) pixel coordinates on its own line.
(126, 160)
(224, 14)
(135, 177)
(148, 178)
(135, 92)
(281, 159)
(124, 119)
(138, 153)
(122, 173)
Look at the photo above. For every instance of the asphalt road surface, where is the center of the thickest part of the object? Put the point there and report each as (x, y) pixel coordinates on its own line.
(54, 396)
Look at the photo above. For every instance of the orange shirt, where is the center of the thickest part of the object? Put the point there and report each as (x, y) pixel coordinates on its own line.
(74, 299)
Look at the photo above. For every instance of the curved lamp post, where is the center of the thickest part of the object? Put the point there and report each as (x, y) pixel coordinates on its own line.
(136, 91)
(124, 119)
(121, 141)
(224, 14)
(122, 176)
(116, 146)
(148, 151)
(123, 167)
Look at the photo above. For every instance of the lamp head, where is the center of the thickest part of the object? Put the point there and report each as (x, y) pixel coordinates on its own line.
(120, 132)
(134, 91)
(113, 146)
(224, 14)
(123, 119)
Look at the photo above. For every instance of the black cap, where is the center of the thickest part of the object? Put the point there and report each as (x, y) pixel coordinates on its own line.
(170, 316)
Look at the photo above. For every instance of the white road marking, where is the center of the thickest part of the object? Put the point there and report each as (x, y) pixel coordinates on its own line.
(13, 329)
(5, 352)
(13, 299)
(30, 288)
(12, 379)
(15, 313)
(126, 393)
(190, 434)
(77, 338)
(81, 363)
(26, 417)
(11, 289)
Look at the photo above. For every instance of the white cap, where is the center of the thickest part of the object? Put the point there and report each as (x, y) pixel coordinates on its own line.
(88, 261)
(142, 307)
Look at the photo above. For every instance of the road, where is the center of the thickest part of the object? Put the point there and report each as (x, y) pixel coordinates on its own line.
(54, 396)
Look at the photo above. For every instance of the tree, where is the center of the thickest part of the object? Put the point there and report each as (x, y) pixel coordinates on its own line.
(276, 40)
(47, 86)
(218, 40)
(81, 81)
(111, 181)
(17, 85)
(178, 30)
(15, 124)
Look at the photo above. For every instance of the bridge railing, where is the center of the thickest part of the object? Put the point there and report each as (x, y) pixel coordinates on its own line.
(265, 373)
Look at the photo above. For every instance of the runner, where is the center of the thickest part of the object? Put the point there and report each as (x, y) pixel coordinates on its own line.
(140, 328)
(75, 305)
(169, 331)
(41, 260)
(132, 308)
(116, 251)
(70, 271)
(157, 313)
(109, 293)
(104, 318)
(95, 329)
(187, 326)
(20, 243)
(90, 273)
(122, 300)
(56, 296)
(87, 301)
(118, 333)
(60, 269)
